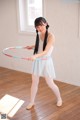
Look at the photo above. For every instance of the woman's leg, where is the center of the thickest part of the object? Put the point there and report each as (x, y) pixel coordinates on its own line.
(34, 88)
(55, 89)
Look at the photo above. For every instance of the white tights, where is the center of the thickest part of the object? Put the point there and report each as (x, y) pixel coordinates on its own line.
(51, 84)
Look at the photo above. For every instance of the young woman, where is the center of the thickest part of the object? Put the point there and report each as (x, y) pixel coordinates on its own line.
(42, 49)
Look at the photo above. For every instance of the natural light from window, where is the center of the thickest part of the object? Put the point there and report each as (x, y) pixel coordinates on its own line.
(28, 11)
(34, 10)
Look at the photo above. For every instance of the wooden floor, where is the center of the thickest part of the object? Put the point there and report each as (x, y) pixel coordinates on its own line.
(18, 85)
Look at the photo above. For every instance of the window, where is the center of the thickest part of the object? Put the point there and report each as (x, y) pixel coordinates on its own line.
(34, 10)
(28, 10)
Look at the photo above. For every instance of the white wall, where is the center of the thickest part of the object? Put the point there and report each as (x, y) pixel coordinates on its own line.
(9, 36)
(63, 20)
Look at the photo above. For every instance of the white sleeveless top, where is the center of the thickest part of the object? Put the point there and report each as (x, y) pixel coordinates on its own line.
(41, 49)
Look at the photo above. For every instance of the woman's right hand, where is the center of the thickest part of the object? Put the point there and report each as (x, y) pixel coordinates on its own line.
(29, 47)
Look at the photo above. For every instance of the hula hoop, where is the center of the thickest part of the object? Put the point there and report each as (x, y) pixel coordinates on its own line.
(17, 57)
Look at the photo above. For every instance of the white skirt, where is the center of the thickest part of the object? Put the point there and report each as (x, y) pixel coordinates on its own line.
(44, 68)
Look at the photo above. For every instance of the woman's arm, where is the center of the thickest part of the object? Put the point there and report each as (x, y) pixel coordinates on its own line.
(51, 40)
(30, 47)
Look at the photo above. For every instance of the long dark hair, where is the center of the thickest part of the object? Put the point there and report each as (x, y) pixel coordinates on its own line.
(39, 21)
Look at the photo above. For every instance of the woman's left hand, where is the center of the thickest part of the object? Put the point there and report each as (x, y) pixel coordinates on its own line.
(32, 58)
